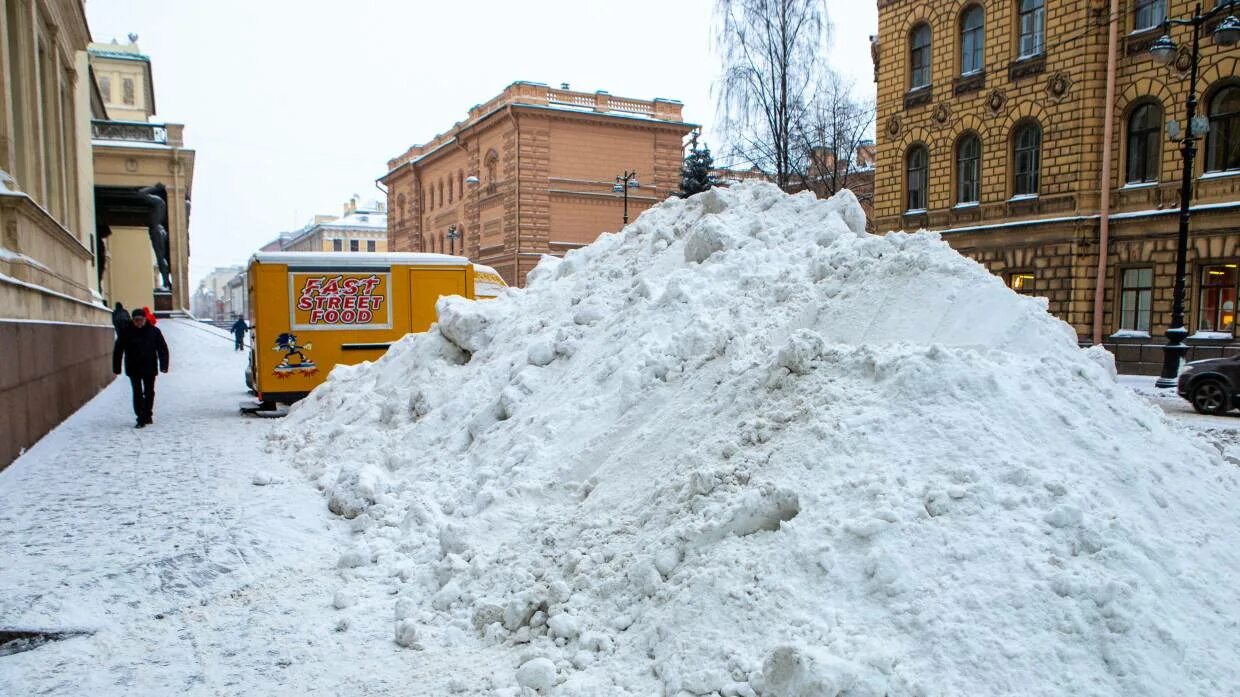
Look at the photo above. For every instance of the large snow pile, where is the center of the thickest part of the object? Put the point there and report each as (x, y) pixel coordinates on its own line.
(744, 448)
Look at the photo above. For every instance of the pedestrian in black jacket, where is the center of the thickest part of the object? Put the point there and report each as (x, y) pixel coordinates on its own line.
(120, 319)
(143, 349)
(239, 328)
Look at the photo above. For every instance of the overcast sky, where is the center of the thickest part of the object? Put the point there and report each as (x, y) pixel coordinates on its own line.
(294, 105)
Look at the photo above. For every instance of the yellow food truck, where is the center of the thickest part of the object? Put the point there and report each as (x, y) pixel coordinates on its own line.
(312, 311)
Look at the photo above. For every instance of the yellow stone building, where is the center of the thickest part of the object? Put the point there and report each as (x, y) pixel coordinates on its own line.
(994, 127)
(532, 172)
(55, 334)
(363, 227)
(141, 168)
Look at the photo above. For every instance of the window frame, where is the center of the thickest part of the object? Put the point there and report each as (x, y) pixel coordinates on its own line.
(1021, 288)
(979, 34)
(1150, 8)
(1035, 28)
(1138, 291)
(337, 245)
(1026, 183)
(372, 246)
(1145, 143)
(922, 52)
(923, 178)
(355, 245)
(1230, 125)
(1219, 305)
(958, 158)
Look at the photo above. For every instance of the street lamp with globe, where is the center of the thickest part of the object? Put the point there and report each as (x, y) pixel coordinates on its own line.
(1164, 51)
(624, 182)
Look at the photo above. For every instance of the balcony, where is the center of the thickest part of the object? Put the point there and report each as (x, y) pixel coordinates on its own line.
(136, 132)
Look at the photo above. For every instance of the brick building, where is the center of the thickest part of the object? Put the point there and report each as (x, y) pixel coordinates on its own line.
(531, 172)
(992, 128)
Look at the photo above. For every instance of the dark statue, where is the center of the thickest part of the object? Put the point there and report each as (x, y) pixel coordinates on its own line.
(156, 196)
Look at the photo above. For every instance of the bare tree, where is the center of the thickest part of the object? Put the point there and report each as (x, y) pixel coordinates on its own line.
(830, 138)
(771, 64)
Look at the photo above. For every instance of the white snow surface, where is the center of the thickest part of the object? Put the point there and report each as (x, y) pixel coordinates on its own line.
(744, 448)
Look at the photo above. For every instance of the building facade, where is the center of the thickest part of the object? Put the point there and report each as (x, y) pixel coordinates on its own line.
(993, 122)
(55, 333)
(363, 227)
(531, 172)
(143, 176)
(211, 301)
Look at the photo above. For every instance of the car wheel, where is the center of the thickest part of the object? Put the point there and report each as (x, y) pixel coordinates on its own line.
(1210, 397)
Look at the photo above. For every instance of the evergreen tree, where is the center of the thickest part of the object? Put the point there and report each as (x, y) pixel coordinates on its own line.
(695, 174)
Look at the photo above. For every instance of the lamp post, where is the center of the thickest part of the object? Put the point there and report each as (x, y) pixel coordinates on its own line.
(624, 182)
(1164, 51)
(452, 236)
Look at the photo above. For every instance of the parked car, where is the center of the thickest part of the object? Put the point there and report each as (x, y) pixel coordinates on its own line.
(1212, 386)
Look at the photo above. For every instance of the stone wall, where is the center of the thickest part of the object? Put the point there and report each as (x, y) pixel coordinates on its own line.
(50, 370)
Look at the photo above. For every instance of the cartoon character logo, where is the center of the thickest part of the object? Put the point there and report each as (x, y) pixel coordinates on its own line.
(287, 342)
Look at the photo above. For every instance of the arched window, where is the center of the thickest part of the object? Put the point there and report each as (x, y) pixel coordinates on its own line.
(428, 200)
(968, 169)
(917, 162)
(1027, 156)
(972, 40)
(1223, 141)
(919, 56)
(1031, 27)
(1144, 126)
(451, 187)
(439, 198)
(1147, 14)
(460, 183)
(400, 209)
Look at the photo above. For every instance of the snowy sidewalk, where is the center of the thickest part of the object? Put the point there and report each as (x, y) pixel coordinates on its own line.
(161, 544)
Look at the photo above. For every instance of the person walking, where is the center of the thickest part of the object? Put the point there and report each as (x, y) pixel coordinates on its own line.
(142, 348)
(239, 328)
(120, 318)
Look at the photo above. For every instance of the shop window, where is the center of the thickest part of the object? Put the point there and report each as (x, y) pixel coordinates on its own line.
(337, 245)
(1032, 28)
(370, 245)
(918, 159)
(1223, 141)
(1217, 309)
(972, 40)
(354, 245)
(1136, 294)
(1021, 282)
(968, 169)
(1027, 151)
(1144, 127)
(919, 57)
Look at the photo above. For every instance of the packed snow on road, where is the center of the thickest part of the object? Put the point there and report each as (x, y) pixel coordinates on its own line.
(744, 448)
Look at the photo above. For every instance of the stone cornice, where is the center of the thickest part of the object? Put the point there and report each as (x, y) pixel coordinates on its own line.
(26, 206)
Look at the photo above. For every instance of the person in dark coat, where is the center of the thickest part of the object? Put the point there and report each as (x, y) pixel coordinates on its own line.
(120, 318)
(239, 328)
(143, 349)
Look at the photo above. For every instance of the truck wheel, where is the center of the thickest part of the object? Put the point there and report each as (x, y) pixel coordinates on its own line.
(1210, 397)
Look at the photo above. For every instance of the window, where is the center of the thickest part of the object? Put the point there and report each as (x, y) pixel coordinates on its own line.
(127, 95)
(439, 198)
(1147, 14)
(429, 199)
(972, 40)
(1144, 126)
(919, 56)
(1217, 311)
(451, 190)
(337, 245)
(918, 160)
(968, 166)
(1223, 140)
(492, 165)
(1021, 282)
(354, 245)
(105, 88)
(1136, 292)
(370, 245)
(460, 183)
(1032, 27)
(1027, 151)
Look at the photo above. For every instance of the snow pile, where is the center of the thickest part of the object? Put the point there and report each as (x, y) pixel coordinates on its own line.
(744, 448)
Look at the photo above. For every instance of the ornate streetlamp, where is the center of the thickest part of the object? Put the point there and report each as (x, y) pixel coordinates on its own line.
(624, 182)
(1164, 51)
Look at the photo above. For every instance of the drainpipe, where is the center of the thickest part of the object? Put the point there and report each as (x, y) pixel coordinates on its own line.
(516, 254)
(1104, 212)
